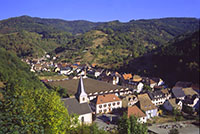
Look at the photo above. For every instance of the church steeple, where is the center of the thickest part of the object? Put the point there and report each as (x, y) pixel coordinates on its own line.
(81, 94)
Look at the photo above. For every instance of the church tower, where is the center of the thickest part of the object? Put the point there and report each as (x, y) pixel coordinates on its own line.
(81, 95)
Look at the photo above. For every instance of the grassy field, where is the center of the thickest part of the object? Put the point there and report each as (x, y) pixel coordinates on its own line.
(90, 85)
(54, 77)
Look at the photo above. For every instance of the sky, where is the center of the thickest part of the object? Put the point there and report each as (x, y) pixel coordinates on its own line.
(100, 10)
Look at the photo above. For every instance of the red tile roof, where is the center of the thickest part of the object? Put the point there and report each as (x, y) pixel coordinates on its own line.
(107, 98)
(127, 76)
(134, 110)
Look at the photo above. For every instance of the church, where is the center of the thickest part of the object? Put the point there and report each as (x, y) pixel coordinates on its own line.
(79, 104)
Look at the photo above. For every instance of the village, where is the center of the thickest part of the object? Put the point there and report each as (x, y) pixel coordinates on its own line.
(147, 98)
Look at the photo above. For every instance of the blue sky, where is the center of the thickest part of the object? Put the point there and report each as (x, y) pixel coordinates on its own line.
(100, 10)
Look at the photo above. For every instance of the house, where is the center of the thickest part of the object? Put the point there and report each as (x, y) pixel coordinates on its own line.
(159, 81)
(152, 83)
(137, 78)
(146, 105)
(139, 86)
(135, 111)
(65, 70)
(166, 93)
(191, 100)
(79, 105)
(129, 100)
(127, 76)
(107, 103)
(157, 97)
(178, 93)
(173, 104)
(98, 72)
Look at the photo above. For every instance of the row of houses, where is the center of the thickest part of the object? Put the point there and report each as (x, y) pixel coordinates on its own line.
(144, 106)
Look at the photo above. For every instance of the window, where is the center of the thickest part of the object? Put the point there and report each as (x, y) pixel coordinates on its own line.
(118, 103)
(100, 106)
(82, 119)
(105, 105)
(114, 104)
(100, 111)
(105, 110)
(109, 105)
(83, 98)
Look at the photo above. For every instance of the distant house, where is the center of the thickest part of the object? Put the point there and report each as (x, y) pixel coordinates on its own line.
(159, 81)
(129, 100)
(173, 104)
(65, 70)
(98, 72)
(191, 101)
(107, 103)
(152, 83)
(157, 97)
(135, 111)
(137, 78)
(145, 104)
(166, 93)
(127, 76)
(178, 93)
(79, 105)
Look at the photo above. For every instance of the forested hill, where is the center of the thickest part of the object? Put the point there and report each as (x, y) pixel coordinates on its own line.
(15, 73)
(108, 44)
(178, 60)
(39, 25)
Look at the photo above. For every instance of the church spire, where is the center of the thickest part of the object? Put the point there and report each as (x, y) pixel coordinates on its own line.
(81, 94)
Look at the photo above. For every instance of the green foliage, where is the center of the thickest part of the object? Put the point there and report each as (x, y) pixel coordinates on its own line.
(27, 106)
(131, 126)
(147, 87)
(33, 111)
(88, 129)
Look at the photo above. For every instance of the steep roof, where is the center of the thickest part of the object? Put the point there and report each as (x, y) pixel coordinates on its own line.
(189, 91)
(134, 110)
(107, 98)
(81, 90)
(178, 92)
(152, 81)
(137, 78)
(74, 107)
(145, 102)
(165, 91)
(156, 94)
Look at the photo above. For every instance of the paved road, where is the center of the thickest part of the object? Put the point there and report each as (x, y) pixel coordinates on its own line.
(103, 122)
(183, 128)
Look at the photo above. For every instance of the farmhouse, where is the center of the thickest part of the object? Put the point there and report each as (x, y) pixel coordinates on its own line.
(135, 111)
(107, 103)
(146, 105)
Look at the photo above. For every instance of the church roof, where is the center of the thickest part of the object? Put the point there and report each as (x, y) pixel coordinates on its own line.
(81, 90)
(74, 107)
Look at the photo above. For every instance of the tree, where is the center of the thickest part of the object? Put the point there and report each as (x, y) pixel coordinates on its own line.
(131, 126)
(34, 111)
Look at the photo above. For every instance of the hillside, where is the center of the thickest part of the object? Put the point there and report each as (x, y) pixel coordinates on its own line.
(15, 73)
(177, 60)
(112, 44)
(108, 44)
(40, 25)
